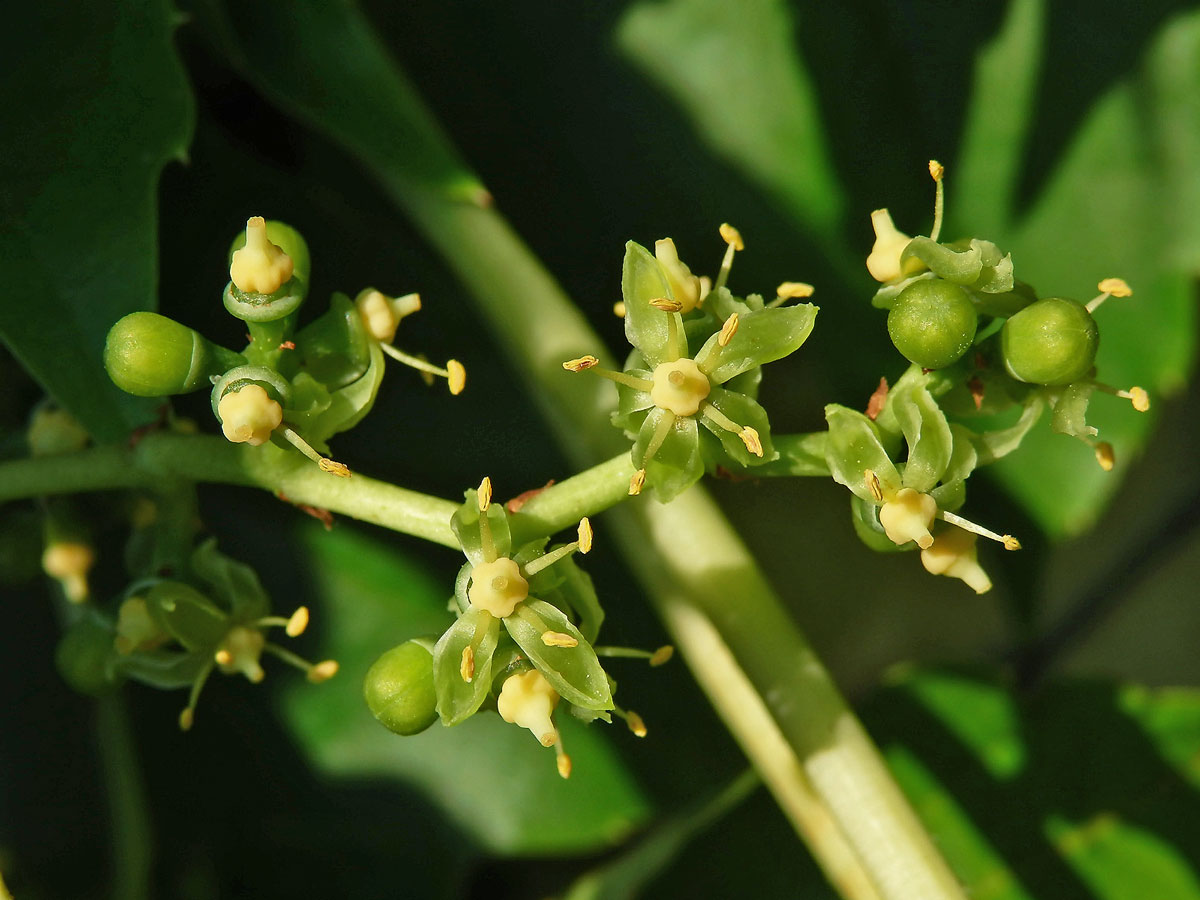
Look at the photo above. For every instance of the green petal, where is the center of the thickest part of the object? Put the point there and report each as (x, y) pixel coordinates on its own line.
(642, 280)
(574, 672)
(762, 337)
(465, 524)
(631, 401)
(187, 615)
(1070, 409)
(678, 464)
(571, 591)
(853, 448)
(927, 433)
(992, 445)
(458, 699)
(234, 584)
(963, 458)
(166, 670)
(745, 412)
(957, 266)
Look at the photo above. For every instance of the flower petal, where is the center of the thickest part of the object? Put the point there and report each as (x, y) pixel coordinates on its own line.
(457, 698)
(762, 337)
(642, 280)
(574, 672)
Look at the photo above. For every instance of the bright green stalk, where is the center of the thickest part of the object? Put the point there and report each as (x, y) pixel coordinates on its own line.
(724, 616)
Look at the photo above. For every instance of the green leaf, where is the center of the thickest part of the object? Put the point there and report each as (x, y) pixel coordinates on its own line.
(735, 70)
(78, 227)
(457, 698)
(491, 778)
(762, 337)
(853, 447)
(465, 523)
(747, 413)
(1080, 783)
(643, 280)
(574, 672)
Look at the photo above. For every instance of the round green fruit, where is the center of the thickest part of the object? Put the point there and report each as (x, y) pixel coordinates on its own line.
(399, 688)
(932, 323)
(1051, 342)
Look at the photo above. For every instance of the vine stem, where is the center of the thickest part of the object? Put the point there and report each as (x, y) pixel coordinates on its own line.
(132, 836)
(699, 574)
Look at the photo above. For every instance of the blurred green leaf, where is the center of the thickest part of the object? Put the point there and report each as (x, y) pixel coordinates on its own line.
(735, 69)
(1082, 790)
(93, 119)
(491, 778)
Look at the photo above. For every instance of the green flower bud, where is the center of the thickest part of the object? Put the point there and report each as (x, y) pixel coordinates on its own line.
(83, 656)
(1052, 342)
(399, 688)
(932, 323)
(152, 356)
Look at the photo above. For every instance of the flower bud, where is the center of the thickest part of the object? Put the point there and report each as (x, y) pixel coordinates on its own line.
(149, 355)
(399, 688)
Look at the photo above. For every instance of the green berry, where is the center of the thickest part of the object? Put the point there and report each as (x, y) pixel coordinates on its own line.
(152, 356)
(932, 323)
(1051, 342)
(399, 688)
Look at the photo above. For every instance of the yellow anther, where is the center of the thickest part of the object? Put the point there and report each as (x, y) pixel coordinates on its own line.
(249, 415)
(732, 237)
(466, 664)
(619, 309)
(1105, 456)
(578, 365)
(666, 304)
(260, 266)
(323, 671)
(585, 535)
(662, 655)
(635, 723)
(1139, 398)
(1010, 542)
(457, 376)
(884, 260)
(936, 170)
(750, 438)
(224, 657)
(794, 290)
(873, 485)
(333, 467)
(484, 494)
(527, 700)
(558, 639)
(637, 482)
(378, 315)
(728, 330)
(564, 765)
(297, 623)
(187, 718)
(1117, 287)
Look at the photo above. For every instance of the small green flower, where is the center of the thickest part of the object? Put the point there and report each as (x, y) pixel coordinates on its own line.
(667, 390)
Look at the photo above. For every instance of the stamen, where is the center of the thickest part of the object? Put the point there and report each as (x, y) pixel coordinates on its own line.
(728, 330)
(323, 671)
(734, 242)
(636, 482)
(794, 290)
(545, 561)
(585, 535)
(224, 657)
(484, 493)
(665, 424)
(748, 435)
(188, 715)
(635, 723)
(655, 658)
(454, 372)
(558, 639)
(561, 759)
(580, 363)
(484, 497)
(662, 655)
(1136, 395)
(936, 172)
(1109, 287)
(1009, 542)
(873, 485)
(750, 438)
(466, 665)
(619, 309)
(1105, 455)
(666, 304)
(325, 465)
(674, 348)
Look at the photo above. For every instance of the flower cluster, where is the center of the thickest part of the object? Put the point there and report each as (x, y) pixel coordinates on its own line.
(292, 387)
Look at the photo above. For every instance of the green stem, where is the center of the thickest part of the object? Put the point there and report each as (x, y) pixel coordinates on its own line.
(132, 837)
(562, 505)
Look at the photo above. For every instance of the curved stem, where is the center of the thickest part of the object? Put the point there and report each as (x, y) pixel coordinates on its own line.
(132, 837)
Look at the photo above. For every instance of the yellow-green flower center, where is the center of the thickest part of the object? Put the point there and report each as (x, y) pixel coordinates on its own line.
(497, 587)
(679, 387)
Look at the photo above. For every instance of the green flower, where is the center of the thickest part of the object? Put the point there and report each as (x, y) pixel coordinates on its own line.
(668, 391)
